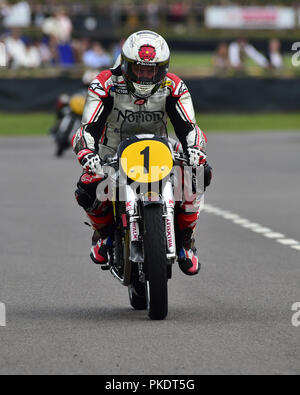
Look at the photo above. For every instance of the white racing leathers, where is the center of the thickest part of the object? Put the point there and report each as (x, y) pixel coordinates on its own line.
(112, 114)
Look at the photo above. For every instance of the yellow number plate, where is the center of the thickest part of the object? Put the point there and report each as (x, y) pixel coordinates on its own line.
(147, 161)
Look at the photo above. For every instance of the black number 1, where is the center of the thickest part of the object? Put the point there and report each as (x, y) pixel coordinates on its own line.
(146, 154)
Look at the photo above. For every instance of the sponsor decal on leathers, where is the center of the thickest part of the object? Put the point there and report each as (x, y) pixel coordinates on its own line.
(140, 116)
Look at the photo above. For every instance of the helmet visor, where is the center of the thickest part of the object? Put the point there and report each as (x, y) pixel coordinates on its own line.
(142, 74)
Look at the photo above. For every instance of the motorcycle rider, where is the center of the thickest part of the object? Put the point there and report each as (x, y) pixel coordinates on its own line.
(138, 83)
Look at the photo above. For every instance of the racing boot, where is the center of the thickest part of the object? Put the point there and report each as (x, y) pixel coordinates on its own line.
(100, 249)
(187, 254)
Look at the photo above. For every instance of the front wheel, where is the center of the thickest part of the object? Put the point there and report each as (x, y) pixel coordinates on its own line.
(156, 262)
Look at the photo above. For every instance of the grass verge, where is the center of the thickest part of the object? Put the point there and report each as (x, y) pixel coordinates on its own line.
(38, 124)
(31, 124)
(249, 122)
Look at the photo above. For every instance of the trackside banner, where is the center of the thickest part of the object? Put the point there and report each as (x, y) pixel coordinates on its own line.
(234, 17)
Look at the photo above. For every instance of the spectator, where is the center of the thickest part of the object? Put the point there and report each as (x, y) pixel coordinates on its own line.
(45, 52)
(65, 54)
(179, 12)
(53, 47)
(3, 54)
(32, 58)
(16, 49)
(152, 11)
(39, 15)
(241, 49)
(17, 15)
(59, 26)
(96, 57)
(4, 8)
(79, 47)
(132, 16)
(116, 13)
(276, 59)
(221, 59)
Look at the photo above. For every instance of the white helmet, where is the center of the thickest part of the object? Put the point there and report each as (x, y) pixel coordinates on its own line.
(145, 63)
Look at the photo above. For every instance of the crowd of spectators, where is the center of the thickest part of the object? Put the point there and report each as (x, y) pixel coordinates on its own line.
(51, 41)
(118, 13)
(124, 13)
(56, 44)
(40, 34)
(23, 52)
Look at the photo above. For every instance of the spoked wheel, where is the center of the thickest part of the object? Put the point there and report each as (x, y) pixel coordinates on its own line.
(156, 262)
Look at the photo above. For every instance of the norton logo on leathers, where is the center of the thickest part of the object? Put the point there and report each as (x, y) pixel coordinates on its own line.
(140, 116)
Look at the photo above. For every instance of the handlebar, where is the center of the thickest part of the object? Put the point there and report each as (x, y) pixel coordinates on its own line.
(113, 162)
(180, 159)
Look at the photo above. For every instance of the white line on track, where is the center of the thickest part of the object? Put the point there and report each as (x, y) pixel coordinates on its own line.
(253, 227)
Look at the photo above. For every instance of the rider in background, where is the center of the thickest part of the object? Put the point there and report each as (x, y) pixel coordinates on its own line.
(69, 110)
(139, 83)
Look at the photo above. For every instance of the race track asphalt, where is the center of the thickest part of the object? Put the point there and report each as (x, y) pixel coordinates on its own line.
(66, 316)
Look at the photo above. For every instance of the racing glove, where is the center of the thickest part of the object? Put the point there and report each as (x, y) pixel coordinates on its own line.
(90, 161)
(196, 156)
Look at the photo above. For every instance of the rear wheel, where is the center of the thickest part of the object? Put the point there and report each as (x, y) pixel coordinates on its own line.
(156, 262)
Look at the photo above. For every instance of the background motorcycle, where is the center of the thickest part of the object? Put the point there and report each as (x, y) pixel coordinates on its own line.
(69, 110)
(69, 116)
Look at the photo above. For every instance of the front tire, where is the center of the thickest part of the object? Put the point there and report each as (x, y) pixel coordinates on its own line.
(156, 262)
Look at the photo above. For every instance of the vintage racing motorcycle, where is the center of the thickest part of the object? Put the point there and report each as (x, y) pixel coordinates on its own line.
(141, 181)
